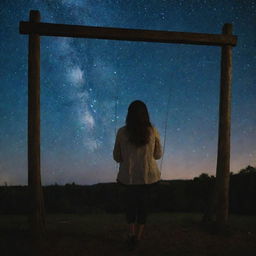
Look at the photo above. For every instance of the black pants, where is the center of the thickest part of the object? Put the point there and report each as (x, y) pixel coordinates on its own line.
(136, 199)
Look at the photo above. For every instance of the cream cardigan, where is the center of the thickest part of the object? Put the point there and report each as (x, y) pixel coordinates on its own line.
(137, 165)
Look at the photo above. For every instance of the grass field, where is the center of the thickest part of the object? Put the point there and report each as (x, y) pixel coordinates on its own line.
(104, 234)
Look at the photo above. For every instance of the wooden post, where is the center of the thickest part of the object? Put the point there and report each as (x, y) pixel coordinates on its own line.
(37, 212)
(223, 159)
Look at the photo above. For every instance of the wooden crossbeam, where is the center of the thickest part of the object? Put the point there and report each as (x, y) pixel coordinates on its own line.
(50, 29)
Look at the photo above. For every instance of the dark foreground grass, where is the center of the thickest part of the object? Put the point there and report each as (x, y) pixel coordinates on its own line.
(104, 234)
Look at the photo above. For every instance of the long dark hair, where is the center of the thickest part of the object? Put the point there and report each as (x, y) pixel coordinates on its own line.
(138, 123)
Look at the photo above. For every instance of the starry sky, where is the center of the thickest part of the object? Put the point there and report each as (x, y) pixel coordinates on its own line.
(87, 85)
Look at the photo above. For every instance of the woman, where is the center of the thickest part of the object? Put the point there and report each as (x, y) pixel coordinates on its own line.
(137, 147)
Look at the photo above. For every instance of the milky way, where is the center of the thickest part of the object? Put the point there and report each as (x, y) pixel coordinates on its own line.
(87, 85)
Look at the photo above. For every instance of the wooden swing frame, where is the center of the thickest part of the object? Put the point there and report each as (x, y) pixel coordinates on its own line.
(34, 28)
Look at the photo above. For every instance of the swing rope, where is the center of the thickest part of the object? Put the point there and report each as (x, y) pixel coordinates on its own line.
(116, 103)
(165, 127)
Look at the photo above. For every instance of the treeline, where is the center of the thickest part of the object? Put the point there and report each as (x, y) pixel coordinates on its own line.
(168, 195)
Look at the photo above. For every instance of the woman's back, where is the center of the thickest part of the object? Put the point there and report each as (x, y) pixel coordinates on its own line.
(137, 163)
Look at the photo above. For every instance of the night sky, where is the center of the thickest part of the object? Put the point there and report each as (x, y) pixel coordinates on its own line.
(87, 85)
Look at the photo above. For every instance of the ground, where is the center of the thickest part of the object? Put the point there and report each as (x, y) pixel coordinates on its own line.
(104, 234)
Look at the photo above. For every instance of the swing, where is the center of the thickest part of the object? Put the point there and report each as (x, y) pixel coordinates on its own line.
(35, 29)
